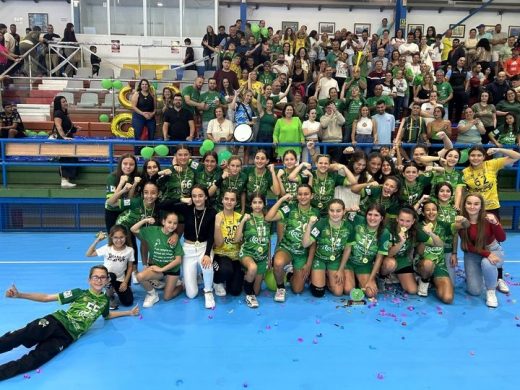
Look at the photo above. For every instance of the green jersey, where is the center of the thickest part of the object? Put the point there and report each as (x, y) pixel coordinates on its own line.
(444, 90)
(111, 186)
(370, 195)
(179, 184)
(213, 99)
(409, 245)
(255, 238)
(453, 177)
(135, 211)
(446, 213)
(290, 187)
(84, 310)
(194, 95)
(205, 178)
(411, 193)
(330, 241)
(323, 188)
(355, 83)
(295, 221)
(236, 184)
(445, 231)
(506, 134)
(266, 78)
(161, 252)
(372, 101)
(365, 244)
(412, 128)
(340, 105)
(255, 183)
(351, 112)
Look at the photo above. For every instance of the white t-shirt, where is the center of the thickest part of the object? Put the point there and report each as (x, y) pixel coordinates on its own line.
(313, 126)
(326, 84)
(116, 261)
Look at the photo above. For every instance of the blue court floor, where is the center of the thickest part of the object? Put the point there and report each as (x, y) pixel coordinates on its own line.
(401, 342)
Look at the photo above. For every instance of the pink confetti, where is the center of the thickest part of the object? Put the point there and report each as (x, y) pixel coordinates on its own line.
(141, 317)
(26, 376)
(315, 341)
(403, 323)
(268, 327)
(38, 371)
(318, 322)
(471, 353)
(411, 308)
(300, 340)
(380, 376)
(210, 317)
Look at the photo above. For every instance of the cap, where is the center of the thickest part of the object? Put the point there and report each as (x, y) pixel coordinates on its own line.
(481, 25)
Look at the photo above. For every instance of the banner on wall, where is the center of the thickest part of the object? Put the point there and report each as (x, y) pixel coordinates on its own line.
(175, 47)
(116, 45)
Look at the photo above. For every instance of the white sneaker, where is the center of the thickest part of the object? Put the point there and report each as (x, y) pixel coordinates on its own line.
(220, 290)
(65, 183)
(209, 300)
(502, 286)
(279, 296)
(491, 300)
(251, 301)
(422, 289)
(134, 278)
(158, 284)
(151, 299)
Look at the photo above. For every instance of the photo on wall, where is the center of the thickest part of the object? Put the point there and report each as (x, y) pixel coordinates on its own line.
(413, 27)
(514, 31)
(292, 25)
(360, 27)
(37, 19)
(458, 31)
(327, 27)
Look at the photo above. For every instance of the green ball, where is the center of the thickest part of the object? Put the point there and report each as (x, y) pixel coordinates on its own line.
(117, 84)
(104, 118)
(161, 150)
(147, 152)
(356, 294)
(106, 83)
(270, 281)
(463, 156)
(208, 144)
(223, 156)
(43, 133)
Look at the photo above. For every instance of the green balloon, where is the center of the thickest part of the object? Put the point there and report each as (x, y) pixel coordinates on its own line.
(203, 150)
(104, 118)
(270, 281)
(255, 28)
(418, 79)
(356, 294)
(223, 156)
(463, 156)
(155, 84)
(106, 83)
(208, 145)
(161, 150)
(264, 32)
(43, 133)
(117, 84)
(147, 152)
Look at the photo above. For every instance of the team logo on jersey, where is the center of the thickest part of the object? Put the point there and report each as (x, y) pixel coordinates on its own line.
(286, 209)
(43, 323)
(67, 294)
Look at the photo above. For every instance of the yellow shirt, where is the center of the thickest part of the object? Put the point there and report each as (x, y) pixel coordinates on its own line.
(236, 68)
(447, 44)
(228, 229)
(300, 42)
(484, 181)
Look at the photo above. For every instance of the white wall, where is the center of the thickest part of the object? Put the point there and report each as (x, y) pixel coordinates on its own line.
(344, 18)
(17, 12)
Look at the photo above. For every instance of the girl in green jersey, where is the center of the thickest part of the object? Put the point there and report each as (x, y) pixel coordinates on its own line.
(254, 232)
(208, 173)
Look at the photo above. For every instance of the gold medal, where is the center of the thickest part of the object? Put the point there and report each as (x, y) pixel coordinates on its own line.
(332, 257)
(365, 260)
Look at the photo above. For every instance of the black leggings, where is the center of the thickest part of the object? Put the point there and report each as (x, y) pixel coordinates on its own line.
(127, 297)
(47, 334)
(230, 272)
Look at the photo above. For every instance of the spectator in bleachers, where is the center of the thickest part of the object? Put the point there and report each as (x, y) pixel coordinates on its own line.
(470, 129)
(498, 87)
(459, 81)
(376, 77)
(483, 55)
(477, 82)
(212, 99)
(226, 73)
(64, 129)
(486, 112)
(143, 115)
(373, 101)
(30, 40)
(212, 40)
(428, 107)
(409, 48)
(364, 128)
(411, 127)
(482, 33)
(52, 58)
(325, 83)
(178, 122)
(69, 38)
(331, 129)
(5, 55)
(438, 125)
(95, 61)
(456, 52)
(288, 129)
(511, 65)
(509, 105)
(11, 125)
(385, 123)
(220, 129)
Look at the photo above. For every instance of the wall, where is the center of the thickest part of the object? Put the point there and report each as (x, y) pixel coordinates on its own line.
(343, 18)
(59, 13)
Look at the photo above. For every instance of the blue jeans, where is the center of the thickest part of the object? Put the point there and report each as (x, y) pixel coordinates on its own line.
(365, 139)
(138, 122)
(480, 272)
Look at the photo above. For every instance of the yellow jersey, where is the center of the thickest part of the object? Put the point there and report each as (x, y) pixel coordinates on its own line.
(484, 181)
(228, 229)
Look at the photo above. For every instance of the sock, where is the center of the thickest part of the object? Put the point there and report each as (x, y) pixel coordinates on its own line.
(248, 288)
(280, 285)
(500, 273)
(425, 280)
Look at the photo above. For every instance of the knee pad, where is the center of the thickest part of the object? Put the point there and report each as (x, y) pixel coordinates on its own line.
(317, 292)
